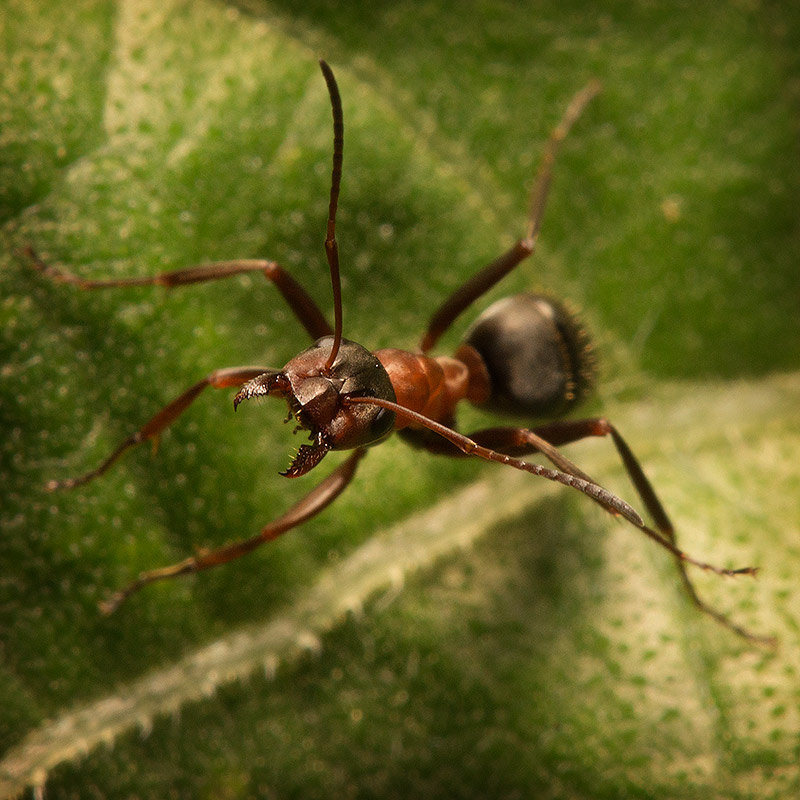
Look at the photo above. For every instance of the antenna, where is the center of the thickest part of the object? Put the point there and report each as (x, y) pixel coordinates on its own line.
(331, 248)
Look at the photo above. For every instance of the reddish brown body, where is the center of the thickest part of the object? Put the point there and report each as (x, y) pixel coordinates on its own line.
(434, 386)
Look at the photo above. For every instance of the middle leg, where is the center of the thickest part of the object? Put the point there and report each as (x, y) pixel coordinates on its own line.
(151, 430)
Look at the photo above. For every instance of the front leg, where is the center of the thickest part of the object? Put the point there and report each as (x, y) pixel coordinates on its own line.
(296, 297)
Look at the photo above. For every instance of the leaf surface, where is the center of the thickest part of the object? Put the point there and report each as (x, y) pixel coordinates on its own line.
(446, 629)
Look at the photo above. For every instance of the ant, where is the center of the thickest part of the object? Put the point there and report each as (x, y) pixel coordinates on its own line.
(525, 356)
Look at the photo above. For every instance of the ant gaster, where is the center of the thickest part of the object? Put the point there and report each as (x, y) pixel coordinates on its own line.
(526, 356)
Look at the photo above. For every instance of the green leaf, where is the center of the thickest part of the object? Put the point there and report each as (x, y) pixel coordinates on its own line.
(446, 629)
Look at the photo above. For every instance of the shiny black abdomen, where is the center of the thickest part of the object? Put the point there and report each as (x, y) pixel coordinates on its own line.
(538, 356)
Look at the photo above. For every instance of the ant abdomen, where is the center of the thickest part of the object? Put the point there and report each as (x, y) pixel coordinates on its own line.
(537, 354)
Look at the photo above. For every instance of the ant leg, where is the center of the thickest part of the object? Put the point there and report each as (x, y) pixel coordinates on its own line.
(545, 438)
(482, 281)
(508, 441)
(491, 443)
(565, 431)
(296, 297)
(219, 379)
(307, 507)
(594, 491)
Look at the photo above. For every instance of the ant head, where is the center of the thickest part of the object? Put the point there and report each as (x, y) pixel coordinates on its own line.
(315, 394)
(317, 382)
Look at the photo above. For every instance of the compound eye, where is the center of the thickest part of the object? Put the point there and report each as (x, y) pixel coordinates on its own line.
(362, 375)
